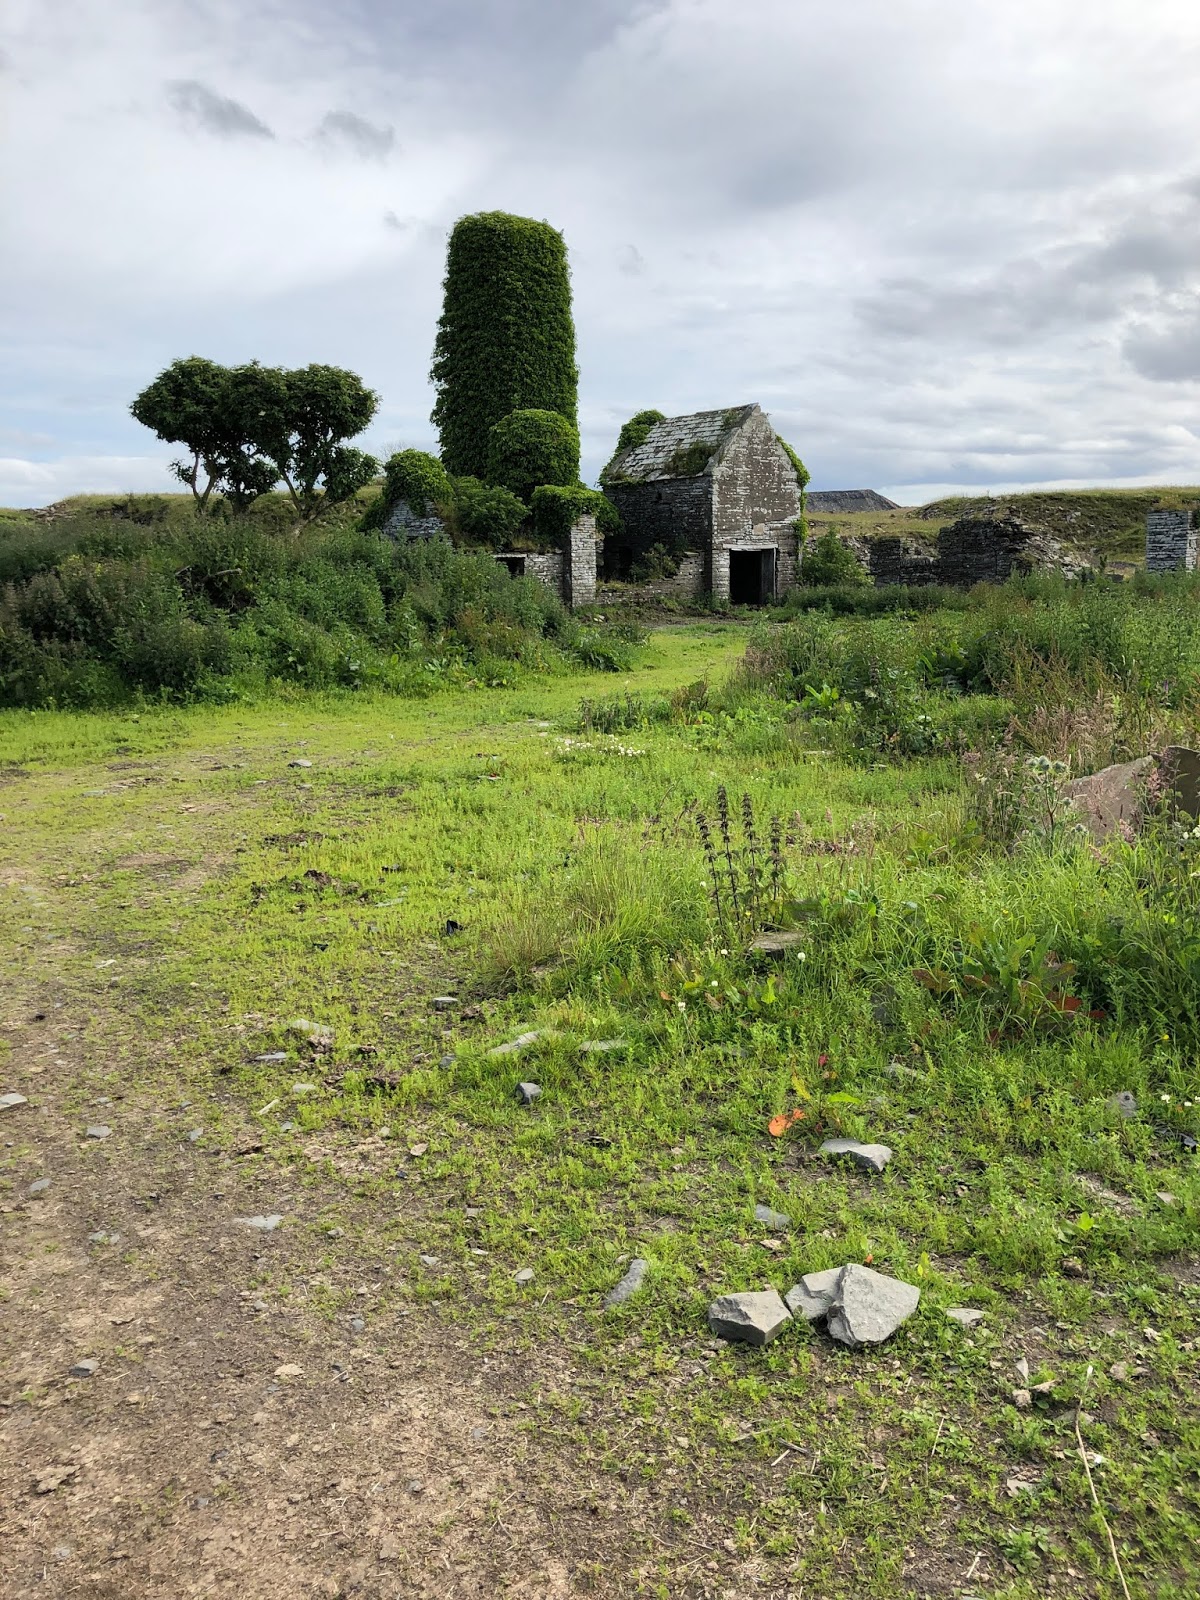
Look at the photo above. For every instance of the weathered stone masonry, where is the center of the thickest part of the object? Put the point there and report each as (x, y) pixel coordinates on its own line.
(1171, 539)
(718, 485)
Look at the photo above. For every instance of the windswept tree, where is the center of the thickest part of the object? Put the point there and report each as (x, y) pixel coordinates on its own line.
(202, 406)
(506, 338)
(247, 428)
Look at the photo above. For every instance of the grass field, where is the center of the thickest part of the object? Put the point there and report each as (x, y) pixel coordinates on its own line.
(181, 892)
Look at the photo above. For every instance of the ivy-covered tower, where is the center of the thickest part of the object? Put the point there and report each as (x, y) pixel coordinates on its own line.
(506, 338)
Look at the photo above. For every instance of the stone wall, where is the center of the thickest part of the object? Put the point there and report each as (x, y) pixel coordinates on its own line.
(673, 512)
(689, 583)
(1171, 539)
(980, 549)
(756, 501)
(403, 522)
(579, 568)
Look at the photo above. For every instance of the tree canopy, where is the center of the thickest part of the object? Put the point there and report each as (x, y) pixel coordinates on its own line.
(246, 428)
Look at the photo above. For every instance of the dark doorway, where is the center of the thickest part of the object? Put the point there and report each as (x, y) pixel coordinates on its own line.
(617, 561)
(515, 565)
(751, 577)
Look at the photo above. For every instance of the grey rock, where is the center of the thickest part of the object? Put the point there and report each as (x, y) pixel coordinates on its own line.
(965, 1316)
(869, 1307)
(103, 1237)
(97, 1130)
(300, 763)
(753, 1318)
(445, 1002)
(10, 1102)
(430, 1261)
(522, 1042)
(870, 1157)
(629, 1284)
(357, 1325)
(61, 1552)
(195, 1135)
(527, 1093)
(1124, 1102)
(446, 1061)
(103, 1100)
(777, 945)
(304, 1088)
(525, 1275)
(601, 1047)
(85, 1369)
(814, 1295)
(779, 1221)
(39, 1186)
(266, 1224)
(273, 1055)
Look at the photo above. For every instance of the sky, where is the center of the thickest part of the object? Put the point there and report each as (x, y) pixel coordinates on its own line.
(946, 244)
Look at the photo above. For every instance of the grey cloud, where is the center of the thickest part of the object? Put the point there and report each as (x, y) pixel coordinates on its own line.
(342, 130)
(200, 106)
(1169, 354)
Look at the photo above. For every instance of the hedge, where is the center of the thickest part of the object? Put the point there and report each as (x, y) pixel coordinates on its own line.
(529, 448)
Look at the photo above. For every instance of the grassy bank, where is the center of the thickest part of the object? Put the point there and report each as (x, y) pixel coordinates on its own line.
(542, 861)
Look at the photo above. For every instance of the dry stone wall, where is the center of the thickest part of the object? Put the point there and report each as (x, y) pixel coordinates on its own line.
(1171, 538)
(756, 501)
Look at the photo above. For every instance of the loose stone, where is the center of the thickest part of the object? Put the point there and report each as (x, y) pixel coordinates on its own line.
(527, 1093)
(445, 1002)
(266, 1224)
(777, 945)
(300, 763)
(525, 1275)
(591, 1047)
(777, 1221)
(39, 1186)
(520, 1043)
(97, 1131)
(1125, 1104)
(85, 1369)
(870, 1157)
(752, 1318)
(629, 1284)
(10, 1102)
(965, 1316)
(870, 1307)
(813, 1297)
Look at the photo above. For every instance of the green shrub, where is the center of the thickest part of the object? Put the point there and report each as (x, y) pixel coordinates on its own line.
(506, 338)
(485, 514)
(828, 561)
(556, 510)
(528, 448)
(417, 478)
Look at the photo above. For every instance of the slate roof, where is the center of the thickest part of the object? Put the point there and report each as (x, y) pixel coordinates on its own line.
(651, 461)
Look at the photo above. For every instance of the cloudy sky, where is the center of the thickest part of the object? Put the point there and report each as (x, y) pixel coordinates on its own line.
(942, 242)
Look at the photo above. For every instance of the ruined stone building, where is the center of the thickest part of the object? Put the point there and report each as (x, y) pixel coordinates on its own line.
(1171, 541)
(708, 504)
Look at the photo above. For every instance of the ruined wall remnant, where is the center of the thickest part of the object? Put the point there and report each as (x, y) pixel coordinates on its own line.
(1171, 538)
(756, 501)
(403, 523)
(984, 548)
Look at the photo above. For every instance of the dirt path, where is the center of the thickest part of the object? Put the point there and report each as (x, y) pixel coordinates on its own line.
(231, 1441)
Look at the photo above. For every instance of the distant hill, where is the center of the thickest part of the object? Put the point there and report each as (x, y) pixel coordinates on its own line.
(1103, 524)
(824, 500)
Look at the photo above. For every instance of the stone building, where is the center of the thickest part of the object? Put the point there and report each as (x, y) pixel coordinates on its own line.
(570, 571)
(1171, 541)
(708, 504)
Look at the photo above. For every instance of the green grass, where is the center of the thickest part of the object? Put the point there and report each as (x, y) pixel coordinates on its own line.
(569, 856)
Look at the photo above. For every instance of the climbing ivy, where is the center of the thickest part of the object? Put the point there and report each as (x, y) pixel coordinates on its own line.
(506, 338)
(556, 510)
(529, 448)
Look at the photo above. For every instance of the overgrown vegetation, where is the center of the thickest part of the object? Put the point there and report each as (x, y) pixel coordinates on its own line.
(506, 338)
(530, 448)
(152, 601)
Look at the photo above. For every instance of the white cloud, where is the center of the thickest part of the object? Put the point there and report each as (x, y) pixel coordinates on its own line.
(937, 242)
(39, 483)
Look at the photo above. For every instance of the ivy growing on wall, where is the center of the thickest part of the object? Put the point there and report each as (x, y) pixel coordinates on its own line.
(556, 510)
(802, 478)
(529, 448)
(506, 338)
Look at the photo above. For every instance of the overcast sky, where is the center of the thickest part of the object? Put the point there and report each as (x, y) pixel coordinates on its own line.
(943, 242)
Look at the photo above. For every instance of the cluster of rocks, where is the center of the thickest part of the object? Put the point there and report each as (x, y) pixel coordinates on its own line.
(858, 1306)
